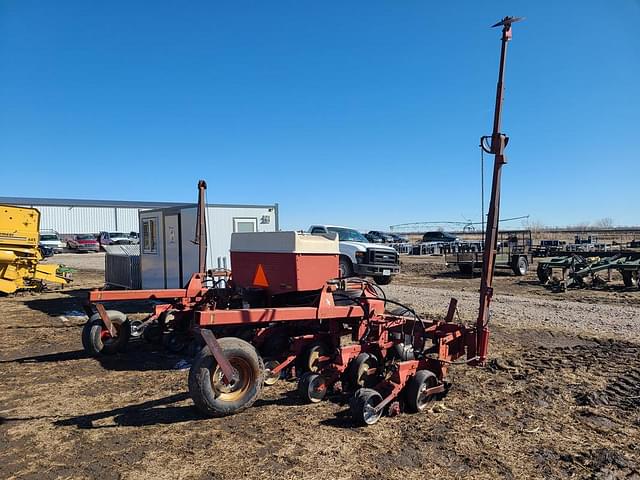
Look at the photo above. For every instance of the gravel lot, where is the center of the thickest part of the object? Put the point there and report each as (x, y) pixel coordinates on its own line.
(83, 261)
(605, 320)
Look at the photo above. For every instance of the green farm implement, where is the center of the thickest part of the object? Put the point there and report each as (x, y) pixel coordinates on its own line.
(577, 271)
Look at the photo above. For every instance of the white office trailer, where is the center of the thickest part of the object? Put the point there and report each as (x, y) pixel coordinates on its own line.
(168, 253)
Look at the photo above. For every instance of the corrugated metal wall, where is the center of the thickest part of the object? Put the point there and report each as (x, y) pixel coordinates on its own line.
(127, 219)
(72, 220)
(122, 266)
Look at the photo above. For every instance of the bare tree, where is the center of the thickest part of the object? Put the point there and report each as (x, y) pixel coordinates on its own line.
(580, 226)
(606, 222)
(535, 226)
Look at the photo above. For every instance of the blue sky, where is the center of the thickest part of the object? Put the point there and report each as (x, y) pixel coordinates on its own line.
(365, 113)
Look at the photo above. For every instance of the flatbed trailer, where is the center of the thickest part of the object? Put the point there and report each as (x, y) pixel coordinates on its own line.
(580, 271)
(513, 252)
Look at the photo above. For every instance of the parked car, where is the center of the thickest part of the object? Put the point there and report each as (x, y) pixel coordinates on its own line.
(135, 237)
(383, 237)
(398, 238)
(441, 237)
(45, 251)
(51, 239)
(84, 243)
(359, 257)
(372, 239)
(114, 238)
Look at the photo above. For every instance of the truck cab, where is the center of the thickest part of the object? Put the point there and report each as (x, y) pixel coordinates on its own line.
(439, 237)
(376, 236)
(359, 257)
(50, 239)
(114, 238)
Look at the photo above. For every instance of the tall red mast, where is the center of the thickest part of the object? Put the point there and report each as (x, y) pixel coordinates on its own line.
(497, 145)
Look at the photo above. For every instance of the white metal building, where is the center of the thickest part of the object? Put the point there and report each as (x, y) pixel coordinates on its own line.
(72, 216)
(168, 254)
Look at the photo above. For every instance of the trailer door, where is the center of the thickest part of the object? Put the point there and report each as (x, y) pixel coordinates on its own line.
(172, 251)
(152, 250)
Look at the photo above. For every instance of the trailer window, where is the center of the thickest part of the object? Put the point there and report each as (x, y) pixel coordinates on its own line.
(245, 225)
(150, 234)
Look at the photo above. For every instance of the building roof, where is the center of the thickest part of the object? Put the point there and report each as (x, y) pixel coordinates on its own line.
(77, 202)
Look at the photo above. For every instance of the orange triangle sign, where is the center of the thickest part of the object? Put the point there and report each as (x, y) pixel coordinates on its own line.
(260, 279)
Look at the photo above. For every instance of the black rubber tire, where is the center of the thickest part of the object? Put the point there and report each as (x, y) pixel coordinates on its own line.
(312, 387)
(627, 278)
(358, 378)
(306, 361)
(193, 349)
(360, 407)
(521, 266)
(345, 268)
(466, 268)
(416, 401)
(92, 337)
(175, 342)
(382, 279)
(276, 344)
(152, 334)
(245, 359)
(544, 273)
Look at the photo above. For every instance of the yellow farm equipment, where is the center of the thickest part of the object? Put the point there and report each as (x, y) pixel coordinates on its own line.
(20, 256)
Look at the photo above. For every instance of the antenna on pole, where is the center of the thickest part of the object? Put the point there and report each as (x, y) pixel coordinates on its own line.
(507, 21)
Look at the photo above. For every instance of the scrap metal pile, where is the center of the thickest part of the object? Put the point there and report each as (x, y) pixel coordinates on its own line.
(283, 312)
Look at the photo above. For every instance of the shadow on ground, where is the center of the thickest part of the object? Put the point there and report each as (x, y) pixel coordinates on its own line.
(75, 299)
(342, 419)
(140, 357)
(68, 300)
(151, 412)
(286, 399)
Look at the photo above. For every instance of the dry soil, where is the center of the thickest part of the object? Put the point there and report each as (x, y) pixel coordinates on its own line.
(560, 397)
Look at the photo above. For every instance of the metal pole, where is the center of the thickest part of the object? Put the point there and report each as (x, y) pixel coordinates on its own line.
(482, 188)
(201, 228)
(498, 143)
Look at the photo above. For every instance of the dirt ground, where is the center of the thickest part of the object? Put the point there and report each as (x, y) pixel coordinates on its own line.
(560, 398)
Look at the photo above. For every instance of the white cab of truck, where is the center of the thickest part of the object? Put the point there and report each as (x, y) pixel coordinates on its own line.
(359, 257)
(51, 239)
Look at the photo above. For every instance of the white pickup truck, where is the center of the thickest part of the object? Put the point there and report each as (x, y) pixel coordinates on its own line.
(360, 257)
